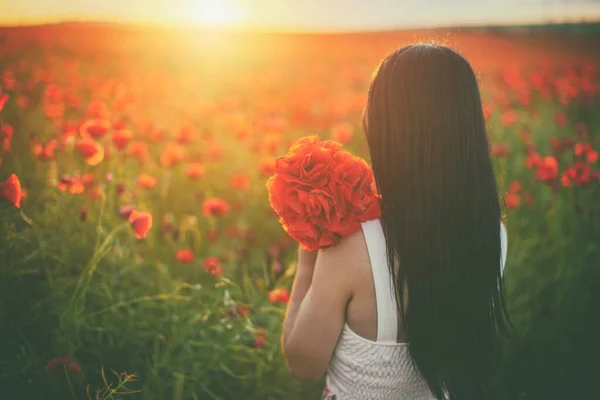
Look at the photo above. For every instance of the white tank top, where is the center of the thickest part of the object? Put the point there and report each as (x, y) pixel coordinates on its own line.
(362, 369)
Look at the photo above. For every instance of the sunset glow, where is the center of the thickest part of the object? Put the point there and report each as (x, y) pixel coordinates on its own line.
(216, 12)
(322, 15)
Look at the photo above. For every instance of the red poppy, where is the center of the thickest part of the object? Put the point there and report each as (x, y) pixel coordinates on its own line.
(184, 256)
(215, 207)
(56, 364)
(267, 166)
(47, 152)
(141, 222)
(500, 150)
(92, 151)
(121, 138)
(260, 338)
(11, 190)
(125, 212)
(195, 171)
(213, 266)
(240, 181)
(279, 295)
(342, 132)
(533, 159)
(239, 310)
(513, 200)
(146, 181)
(547, 169)
(173, 154)
(94, 128)
(138, 149)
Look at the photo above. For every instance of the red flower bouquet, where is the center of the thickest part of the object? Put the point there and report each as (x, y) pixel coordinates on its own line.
(321, 193)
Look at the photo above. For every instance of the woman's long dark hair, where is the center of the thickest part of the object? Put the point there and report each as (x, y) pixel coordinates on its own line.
(440, 214)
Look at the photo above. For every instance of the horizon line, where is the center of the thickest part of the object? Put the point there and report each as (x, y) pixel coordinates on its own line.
(587, 20)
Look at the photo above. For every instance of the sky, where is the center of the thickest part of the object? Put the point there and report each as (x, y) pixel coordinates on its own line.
(301, 14)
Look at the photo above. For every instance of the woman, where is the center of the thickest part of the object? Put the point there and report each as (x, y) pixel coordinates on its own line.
(412, 307)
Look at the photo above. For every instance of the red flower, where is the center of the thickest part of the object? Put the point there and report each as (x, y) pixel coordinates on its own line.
(121, 138)
(195, 171)
(184, 256)
(342, 132)
(500, 150)
(322, 194)
(267, 166)
(279, 295)
(239, 310)
(11, 190)
(94, 128)
(55, 364)
(138, 149)
(47, 152)
(215, 207)
(512, 200)
(240, 181)
(260, 338)
(92, 151)
(125, 212)
(532, 161)
(547, 169)
(560, 119)
(146, 181)
(213, 266)
(141, 222)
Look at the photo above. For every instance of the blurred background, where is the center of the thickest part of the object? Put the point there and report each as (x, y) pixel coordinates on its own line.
(139, 256)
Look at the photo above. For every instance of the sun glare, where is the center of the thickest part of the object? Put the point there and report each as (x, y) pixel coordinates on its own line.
(217, 12)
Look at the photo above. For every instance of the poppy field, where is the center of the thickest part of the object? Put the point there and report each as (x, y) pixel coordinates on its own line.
(139, 255)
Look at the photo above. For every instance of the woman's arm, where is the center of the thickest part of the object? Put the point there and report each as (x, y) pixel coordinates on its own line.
(304, 274)
(316, 313)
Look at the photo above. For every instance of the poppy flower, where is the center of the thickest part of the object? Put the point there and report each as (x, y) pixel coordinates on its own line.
(532, 160)
(146, 181)
(141, 222)
(239, 310)
(194, 171)
(47, 152)
(215, 207)
(94, 128)
(342, 132)
(279, 295)
(500, 150)
(213, 266)
(513, 200)
(56, 364)
(125, 212)
(3, 100)
(121, 138)
(92, 151)
(11, 190)
(184, 256)
(260, 338)
(547, 169)
(267, 166)
(240, 181)
(138, 149)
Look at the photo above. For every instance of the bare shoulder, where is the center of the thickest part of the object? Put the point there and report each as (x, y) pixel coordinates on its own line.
(349, 258)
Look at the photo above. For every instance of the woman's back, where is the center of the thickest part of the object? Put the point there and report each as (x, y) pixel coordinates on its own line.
(371, 359)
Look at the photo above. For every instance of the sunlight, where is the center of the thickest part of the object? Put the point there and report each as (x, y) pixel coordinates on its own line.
(216, 12)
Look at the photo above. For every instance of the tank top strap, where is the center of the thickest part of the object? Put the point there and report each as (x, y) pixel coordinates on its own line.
(387, 317)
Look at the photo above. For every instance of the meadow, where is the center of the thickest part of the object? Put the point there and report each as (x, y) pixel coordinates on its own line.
(139, 257)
